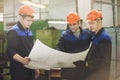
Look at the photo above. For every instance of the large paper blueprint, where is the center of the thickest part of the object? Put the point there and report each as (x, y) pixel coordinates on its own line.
(44, 57)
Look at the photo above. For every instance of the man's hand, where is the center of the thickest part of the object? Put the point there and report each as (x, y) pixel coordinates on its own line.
(37, 73)
(23, 60)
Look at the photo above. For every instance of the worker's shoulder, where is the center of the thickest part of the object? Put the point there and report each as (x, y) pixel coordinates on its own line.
(15, 27)
(85, 31)
(105, 36)
(15, 30)
(66, 32)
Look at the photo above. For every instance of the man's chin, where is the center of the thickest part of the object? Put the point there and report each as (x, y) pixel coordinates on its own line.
(73, 30)
(27, 26)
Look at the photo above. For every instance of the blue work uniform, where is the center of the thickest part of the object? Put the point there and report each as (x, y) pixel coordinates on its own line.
(71, 44)
(99, 57)
(19, 41)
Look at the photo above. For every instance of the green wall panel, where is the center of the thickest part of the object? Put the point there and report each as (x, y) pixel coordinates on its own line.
(1, 26)
(38, 25)
(48, 37)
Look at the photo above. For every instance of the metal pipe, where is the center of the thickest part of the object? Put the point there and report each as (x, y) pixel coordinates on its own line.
(113, 10)
(76, 2)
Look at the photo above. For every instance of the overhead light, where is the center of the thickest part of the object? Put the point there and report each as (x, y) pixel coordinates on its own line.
(57, 22)
(33, 4)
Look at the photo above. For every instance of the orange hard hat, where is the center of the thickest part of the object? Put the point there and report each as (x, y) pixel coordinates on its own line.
(93, 15)
(72, 18)
(26, 10)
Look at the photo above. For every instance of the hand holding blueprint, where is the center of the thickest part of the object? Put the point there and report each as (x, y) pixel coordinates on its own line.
(44, 57)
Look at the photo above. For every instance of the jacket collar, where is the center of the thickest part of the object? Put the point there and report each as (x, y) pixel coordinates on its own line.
(99, 32)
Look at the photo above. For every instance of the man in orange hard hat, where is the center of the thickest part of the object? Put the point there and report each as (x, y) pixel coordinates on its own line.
(97, 62)
(73, 40)
(99, 56)
(19, 45)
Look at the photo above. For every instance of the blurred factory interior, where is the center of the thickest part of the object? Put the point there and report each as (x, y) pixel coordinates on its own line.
(52, 14)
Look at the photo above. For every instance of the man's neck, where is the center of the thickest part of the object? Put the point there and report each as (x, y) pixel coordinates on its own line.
(99, 28)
